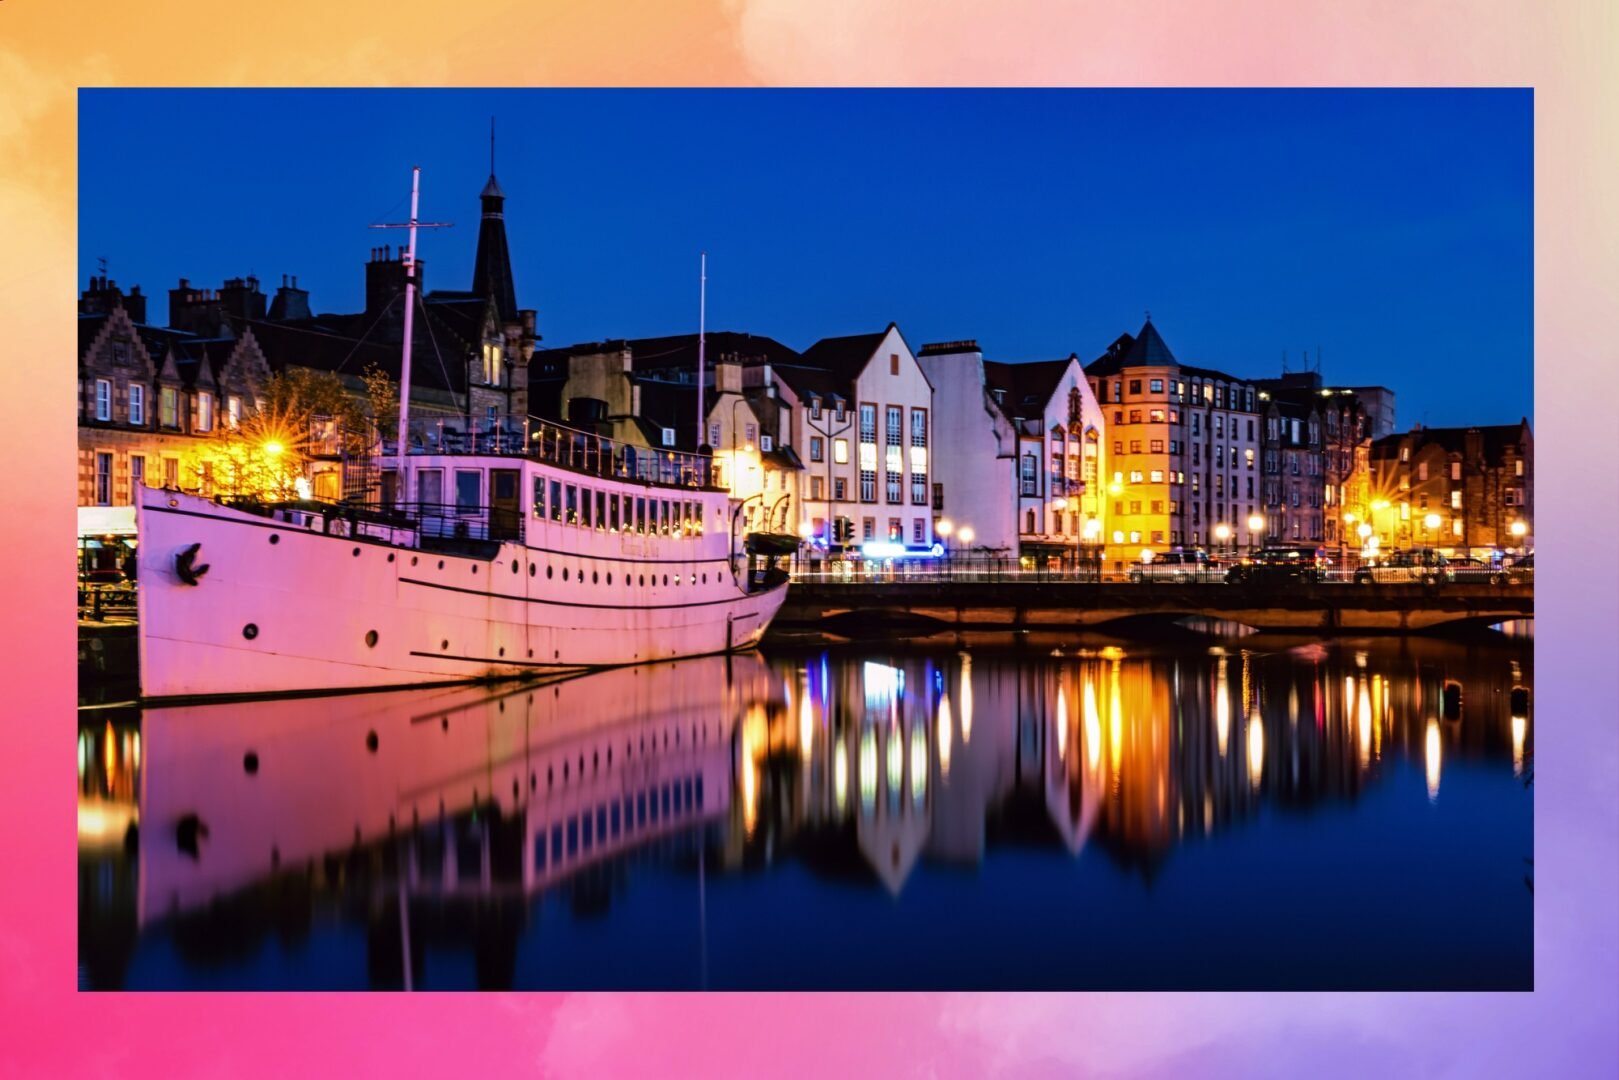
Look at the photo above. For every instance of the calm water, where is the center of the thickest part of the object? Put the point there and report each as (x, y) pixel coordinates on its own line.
(1333, 815)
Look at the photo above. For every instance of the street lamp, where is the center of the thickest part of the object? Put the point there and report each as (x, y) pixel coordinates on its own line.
(1431, 524)
(1518, 529)
(1222, 532)
(1256, 522)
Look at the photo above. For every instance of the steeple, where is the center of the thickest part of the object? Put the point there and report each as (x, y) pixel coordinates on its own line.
(492, 269)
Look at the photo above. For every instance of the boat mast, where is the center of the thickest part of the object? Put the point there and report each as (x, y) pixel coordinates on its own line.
(409, 259)
(702, 308)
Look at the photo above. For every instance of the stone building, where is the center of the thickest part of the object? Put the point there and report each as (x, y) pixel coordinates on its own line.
(1349, 418)
(151, 399)
(1461, 490)
(1185, 446)
(1294, 479)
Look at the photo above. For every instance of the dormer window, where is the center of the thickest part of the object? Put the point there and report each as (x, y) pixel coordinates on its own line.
(815, 407)
(103, 399)
(492, 358)
(668, 436)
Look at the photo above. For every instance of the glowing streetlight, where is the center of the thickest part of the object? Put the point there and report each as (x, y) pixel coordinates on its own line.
(1517, 529)
(944, 528)
(1256, 525)
(966, 534)
(1431, 521)
(1222, 532)
(1364, 531)
(274, 448)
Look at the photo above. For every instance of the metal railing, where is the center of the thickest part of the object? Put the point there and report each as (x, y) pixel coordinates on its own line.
(395, 523)
(569, 448)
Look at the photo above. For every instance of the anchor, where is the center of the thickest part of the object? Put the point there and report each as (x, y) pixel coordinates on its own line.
(183, 565)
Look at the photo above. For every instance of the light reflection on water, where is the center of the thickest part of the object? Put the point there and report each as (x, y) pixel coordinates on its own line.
(994, 793)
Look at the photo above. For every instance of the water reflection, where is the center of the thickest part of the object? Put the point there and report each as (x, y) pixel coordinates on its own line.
(451, 819)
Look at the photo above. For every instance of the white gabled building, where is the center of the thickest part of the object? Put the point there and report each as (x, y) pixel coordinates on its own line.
(974, 506)
(865, 436)
(1061, 455)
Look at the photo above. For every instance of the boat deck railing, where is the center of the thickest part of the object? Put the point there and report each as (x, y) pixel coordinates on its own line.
(422, 524)
(569, 448)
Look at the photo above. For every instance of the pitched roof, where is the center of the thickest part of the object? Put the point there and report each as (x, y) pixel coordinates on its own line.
(844, 357)
(1029, 386)
(673, 352)
(317, 343)
(1495, 439)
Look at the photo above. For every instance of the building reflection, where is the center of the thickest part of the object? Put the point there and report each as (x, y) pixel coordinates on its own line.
(443, 819)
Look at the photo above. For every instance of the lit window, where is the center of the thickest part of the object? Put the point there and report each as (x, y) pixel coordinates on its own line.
(840, 451)
(205, 411)
(103, 399)
(137, 404)
(233, 411)
(1456, 500)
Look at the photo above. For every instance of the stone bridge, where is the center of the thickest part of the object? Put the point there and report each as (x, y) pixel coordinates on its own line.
(1055, 605)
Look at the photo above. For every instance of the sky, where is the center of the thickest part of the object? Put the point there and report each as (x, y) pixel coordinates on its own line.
(1387, 232)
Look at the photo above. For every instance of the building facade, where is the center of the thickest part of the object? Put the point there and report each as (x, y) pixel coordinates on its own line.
(152, 401)
(1460, 490)
(1185, 447)
(1060, 456)
(1294, 482)
(974, 486)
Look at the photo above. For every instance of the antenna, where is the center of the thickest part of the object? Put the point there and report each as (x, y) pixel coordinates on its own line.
(702, 314)
(101, 260)
(410, 311)
(491, 146)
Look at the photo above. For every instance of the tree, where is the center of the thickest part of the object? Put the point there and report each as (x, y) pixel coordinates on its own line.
(301, 413)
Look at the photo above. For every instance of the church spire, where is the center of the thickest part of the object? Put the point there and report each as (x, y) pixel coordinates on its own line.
(492, 268)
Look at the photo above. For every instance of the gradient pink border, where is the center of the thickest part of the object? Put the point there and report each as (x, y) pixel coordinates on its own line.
(1568, 1027)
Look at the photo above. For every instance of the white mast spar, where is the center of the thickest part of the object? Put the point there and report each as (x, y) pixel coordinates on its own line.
(702, 307)
(402, 495)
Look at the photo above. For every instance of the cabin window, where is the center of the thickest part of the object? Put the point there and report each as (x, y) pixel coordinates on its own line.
(640, 514)
(430, 488)
(612, 506)
(539, 496)
(584, 507)
(628, 517)
(573, 505)
(664, 520)
(556, 500)
(601, 509)
(468, 483)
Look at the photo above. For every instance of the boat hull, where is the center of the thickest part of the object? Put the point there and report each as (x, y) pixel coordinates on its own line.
(286, 607)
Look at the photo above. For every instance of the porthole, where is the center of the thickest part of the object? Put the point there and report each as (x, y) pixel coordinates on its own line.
(390, 556)
(564, 573)
(250, 631)
(514, 566)
(250, 762)
(530, 569)
(413, 560)
(565, 768)
(643, 579)
(705, 578)
(441, 564)
(502, 653)
(609, 577)
(474, 568)
(371, 741)
(531, 656)
(594, 578)
(548, 572)
(666, 580)
(444, 645)
(370, 639)
(355, 553)
(275, 538)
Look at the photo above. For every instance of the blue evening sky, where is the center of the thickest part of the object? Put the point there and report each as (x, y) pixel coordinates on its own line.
(1391, 229)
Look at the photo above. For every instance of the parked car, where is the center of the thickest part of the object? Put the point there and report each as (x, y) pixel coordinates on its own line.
(1467, 569)
(1278, 564)
(1176, 566)
(1416, 566)
(1522, 570)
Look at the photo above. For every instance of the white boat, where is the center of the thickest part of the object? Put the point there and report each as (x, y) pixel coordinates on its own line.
(528, 548)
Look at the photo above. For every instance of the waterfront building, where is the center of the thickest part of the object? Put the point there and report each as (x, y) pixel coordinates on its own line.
(868, 428)
(1461, 490)
(1349, 419)
(973, 468)
(1294, 484)
(1059, 458)
(152, 399)
(1184, 454)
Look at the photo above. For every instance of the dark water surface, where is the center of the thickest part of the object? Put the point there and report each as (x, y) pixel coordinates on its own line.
(1270, 813)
